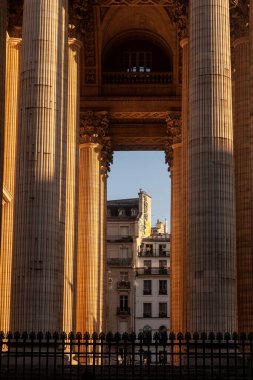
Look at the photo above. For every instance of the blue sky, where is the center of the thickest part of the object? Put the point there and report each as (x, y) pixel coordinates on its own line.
(131, 171)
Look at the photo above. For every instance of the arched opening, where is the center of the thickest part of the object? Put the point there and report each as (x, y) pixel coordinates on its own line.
(137, 59)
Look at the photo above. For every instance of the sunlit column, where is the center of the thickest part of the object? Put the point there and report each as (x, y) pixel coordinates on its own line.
(71, 224)
(90, 260)
(173, 152)
(10, 146)
(39, 215)
(212, 260)
(3, 35)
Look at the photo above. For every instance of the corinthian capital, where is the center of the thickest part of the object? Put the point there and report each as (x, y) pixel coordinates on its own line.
(93, 127)
(106, 156)
(173, 135)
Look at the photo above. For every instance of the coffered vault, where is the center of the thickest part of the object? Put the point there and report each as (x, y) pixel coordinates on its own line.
(85, 78)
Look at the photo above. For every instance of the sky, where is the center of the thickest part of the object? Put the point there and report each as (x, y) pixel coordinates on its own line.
(132, 171)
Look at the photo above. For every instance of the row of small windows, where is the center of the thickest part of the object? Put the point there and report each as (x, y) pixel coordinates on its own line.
(147, 287)
(162, 310)
(122, 212)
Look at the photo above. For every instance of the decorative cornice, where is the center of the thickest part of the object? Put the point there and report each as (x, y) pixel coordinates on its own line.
(239, 19)
(173, 135)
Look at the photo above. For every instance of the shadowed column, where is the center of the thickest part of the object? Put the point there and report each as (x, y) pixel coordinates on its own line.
(212, 260)
(10, 146)
(39, 219)
(90, 260)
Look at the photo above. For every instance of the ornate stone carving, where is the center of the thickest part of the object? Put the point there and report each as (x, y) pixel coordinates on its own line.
(174, 127)
(93, 126)
(106, 156)
(239, 16)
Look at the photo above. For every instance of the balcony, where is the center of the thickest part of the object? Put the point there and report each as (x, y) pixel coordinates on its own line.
(126, 262)
(122, 285)
(152, 271)
(154, 254)
(162, 314)
(119, 239)
(147, 292)
(163, 292)
(125, 311)
(147, 315)
(137, 77)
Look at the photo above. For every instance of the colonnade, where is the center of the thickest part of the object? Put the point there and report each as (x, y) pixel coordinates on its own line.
(59, 164)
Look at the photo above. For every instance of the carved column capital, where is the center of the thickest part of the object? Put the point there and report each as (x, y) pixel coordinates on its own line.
(79, 17)
(173, 135)
(106, 156)
(93, 127)
(15, 18)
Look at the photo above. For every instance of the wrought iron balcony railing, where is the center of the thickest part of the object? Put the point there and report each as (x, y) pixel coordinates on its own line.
(126, 262)
(123, 285)
(137, 77)
(154, 254)
(152, 271)
(162, 314)
(119, 239)
(125, 311)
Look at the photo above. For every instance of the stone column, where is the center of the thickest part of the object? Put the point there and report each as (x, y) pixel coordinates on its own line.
(10, 146)
(212, 259)
(184, 43)
(39, 218)
(173, 152)
(243, 170)
(94, 127)
(71, 224)
(3, 35)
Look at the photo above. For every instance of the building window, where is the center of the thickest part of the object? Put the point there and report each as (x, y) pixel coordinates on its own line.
(163, 309)
(162, 249)
(123, 303)
(123, 252)
(162, 266)
(162, 287)
(121, 212)
(147, 310)
(134, 211)
(124, 230)
(149, 249)
(137, 61)
(147, 266)
(147, 287)
(123, 276)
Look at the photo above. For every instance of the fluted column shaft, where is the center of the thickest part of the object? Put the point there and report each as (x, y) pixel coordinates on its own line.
(184, 43)
(38, 250)
(88, 260)
(243, 184)
(10, 146)
(176, 240)
(212, 263)
(3, 35)
(71, 224)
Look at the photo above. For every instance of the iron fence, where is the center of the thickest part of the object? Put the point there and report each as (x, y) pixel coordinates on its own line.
(76, 356)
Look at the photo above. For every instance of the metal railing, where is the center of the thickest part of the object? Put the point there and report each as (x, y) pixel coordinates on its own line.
(120, 262)
(137, 77)
(123, 285)
(125, 311)
(76, 356)
(144, 271)
(119, 238)
(154, 254)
